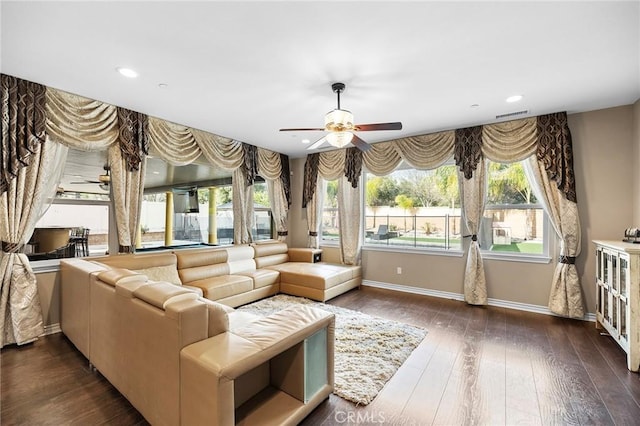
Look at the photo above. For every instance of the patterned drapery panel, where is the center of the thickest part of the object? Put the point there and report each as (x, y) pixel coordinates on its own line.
(134, 137)
(353, 166)
(310, 178)
(555, 151)
(285, 177)
(250, 163)
(22, 116)
(468, 149)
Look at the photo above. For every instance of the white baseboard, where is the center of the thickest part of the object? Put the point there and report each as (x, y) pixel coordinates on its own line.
(51, 329)
(457, 296)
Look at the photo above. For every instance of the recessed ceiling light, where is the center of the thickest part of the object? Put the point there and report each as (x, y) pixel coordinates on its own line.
(127, 72)
(475, 105)
(514, 98)
(305, 141)
(156, 173)
(163, 85)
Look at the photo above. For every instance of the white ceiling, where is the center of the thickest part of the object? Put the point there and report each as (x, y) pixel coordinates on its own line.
(246, 69)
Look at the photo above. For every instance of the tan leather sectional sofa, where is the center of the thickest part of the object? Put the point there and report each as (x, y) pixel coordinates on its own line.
(181, 358)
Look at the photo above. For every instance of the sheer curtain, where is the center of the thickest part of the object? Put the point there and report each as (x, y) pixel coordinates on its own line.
(21, 206)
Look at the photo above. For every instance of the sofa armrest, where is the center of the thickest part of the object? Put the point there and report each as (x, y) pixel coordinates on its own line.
(309, 255)
(210, 367)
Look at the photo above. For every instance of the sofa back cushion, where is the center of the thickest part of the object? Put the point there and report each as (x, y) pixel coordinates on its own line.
(159, 294)
(240, 259)
(269, 254)
(157, 266)
(196, 265)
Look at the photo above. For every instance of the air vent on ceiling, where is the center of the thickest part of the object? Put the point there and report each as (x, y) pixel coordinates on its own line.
(512, 114)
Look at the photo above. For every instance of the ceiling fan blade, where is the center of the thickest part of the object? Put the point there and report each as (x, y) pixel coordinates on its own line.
(378, 126)
(303, 130)
(317, 143)
(360, 144)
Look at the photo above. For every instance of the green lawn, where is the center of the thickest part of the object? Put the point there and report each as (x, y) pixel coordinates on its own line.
(428, 240)
(528, 247)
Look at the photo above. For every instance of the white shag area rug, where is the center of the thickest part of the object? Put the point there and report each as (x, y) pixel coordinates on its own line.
(368, 349)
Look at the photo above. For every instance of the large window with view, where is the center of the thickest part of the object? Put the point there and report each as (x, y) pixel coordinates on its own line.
(412, 208)
(195, 212)
(513, 222)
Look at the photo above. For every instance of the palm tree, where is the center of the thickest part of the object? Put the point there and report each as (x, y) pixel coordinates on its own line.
(406, 203)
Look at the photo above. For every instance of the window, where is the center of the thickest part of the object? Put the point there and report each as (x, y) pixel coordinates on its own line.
(514, 222)
(262, 222)
(76, 224)
(329, 229)
(191, 216)
(412, 208)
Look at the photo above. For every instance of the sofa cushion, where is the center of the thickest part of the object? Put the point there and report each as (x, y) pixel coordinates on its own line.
(269, 254)
(262, 277)
(119, 275)
(198, 273)
(194, 258)
(313, 275)
(158, 294)
(139, 261)
(215, 288)
(167, 273)
(240, 252)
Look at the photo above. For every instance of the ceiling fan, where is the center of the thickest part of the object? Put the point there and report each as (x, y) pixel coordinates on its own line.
(339, 124)
(103, 180)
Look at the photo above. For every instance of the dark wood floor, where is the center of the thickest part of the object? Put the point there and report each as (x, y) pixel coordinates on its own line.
(484, 366)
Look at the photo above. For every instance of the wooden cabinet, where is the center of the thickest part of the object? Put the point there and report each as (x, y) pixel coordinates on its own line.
(618, 295)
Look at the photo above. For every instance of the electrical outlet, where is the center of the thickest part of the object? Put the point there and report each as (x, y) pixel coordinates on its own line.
(399, 270)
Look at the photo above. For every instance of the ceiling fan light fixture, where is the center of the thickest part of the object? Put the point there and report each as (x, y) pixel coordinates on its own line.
(339, 139)
(338, 120)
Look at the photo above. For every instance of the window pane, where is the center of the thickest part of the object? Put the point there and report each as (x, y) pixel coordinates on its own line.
(413, 208)
(513, 230)
(329, 221)
(71, 230)
(513, 222)
(261, 212)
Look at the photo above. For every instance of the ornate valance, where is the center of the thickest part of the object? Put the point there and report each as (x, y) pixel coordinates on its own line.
(555, 151)
(310, 178)
(22, 110)
(547, 136)
(134, 137)
(353, 166)
(468, 149)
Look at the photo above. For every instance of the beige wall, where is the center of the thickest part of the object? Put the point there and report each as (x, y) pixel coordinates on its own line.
(49, 292)
(604, 162)
(635, 135)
